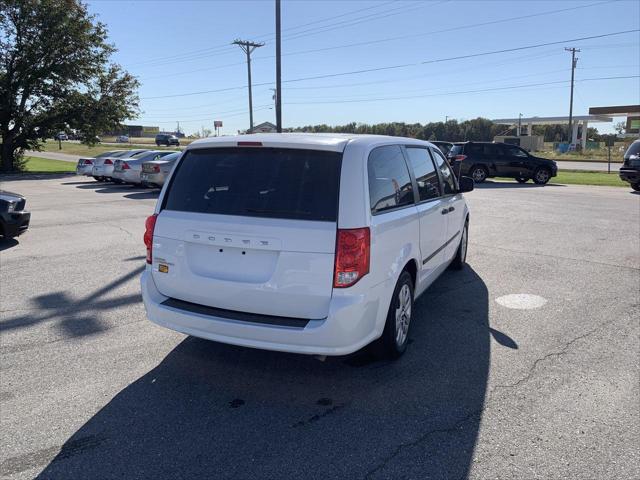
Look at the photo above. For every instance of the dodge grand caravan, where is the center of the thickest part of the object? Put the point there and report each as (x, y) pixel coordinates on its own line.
(313, 244)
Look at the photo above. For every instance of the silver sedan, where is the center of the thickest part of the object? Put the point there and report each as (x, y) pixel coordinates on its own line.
(155, 173)
(103, 167)
(127, 170)
(85, 164)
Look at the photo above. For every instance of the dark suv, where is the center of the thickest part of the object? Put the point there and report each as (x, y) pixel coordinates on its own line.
(481, 160)
(630, 170)
(166, 139)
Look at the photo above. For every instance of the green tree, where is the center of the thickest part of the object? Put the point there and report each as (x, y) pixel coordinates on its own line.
(55, 75)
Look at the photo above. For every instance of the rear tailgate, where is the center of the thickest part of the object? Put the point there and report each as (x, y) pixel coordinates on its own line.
(250, 230)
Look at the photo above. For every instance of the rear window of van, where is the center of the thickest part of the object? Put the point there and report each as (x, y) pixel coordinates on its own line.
(257, 182)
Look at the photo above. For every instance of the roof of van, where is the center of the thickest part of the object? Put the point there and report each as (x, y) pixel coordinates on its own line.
(316, 141)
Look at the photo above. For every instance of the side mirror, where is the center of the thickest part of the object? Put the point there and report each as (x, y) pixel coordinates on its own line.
(466, 184)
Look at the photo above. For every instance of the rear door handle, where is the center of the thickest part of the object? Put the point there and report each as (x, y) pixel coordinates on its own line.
(444, 211)
(451, 209)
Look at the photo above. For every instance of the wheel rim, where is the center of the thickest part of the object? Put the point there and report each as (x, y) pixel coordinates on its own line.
(403, 315)
(478, 175)
(542, 176)
(463, 244)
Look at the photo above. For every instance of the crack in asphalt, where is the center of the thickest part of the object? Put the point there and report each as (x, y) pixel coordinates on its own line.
(558, 353)
(478, 413)
(122, 229)
(421, 439)
(536, 254)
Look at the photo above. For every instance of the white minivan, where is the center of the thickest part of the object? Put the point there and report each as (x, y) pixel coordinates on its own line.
(306, 243)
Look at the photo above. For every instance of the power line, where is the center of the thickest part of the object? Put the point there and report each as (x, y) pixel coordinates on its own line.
(228, 113)
(404, 37)
(367, 18)
(412, 97)
(393, 67)
(225, 47)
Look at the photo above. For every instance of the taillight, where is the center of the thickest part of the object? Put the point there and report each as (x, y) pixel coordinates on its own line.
(125, 166)
(88, 162)
(149, 226)
(352, 256)
(459, 158)
(249, 144)
(156, 168)
(108, 162)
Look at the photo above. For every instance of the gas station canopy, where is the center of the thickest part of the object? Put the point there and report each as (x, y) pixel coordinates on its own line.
(577, 120)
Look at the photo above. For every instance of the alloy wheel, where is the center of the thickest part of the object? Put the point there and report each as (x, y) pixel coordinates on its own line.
(403, 314)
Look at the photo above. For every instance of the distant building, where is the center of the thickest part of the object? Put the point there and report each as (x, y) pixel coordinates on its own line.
(266, 127)
(134, 131)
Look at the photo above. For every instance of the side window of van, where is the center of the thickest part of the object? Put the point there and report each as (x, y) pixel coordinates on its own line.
(425, 173)
(389, 180)
(449, 182)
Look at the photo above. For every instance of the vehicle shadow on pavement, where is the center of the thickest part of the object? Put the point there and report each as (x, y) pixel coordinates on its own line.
(212, 410)
(494, 184)
(149, 194)
(7, 243)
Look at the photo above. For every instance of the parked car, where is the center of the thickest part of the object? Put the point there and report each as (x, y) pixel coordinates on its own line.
(61, 136)
(155, 172)
(630, 170)
(85, 164)
(14, 219)
(312, 244)
(127, 170)
(103, 167)
(122, 139)
(482, 160)
(166, 139)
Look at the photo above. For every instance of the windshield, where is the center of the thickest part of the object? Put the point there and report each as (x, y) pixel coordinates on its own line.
(257, 182)
(634, 149)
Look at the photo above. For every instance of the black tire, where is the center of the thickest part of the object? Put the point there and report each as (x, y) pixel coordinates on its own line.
(97, 179)
(636, 186)
(392, 344)
(522, 179)
(479, 173)
(542, 176)
(460, 259)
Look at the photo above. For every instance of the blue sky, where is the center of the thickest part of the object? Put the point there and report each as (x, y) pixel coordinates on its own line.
(178, 48)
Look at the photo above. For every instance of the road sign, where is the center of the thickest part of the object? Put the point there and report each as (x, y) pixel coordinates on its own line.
(217, 123)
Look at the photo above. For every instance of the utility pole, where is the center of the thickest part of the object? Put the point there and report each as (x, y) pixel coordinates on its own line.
(247, 48)
(574, 62)
(520, 124)
(278, 71)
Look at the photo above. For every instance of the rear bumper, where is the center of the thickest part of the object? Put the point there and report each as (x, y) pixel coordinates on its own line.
(629, 175)
(130, 176)
(152, 179)
(102, 171)
(84, 170)
(14, 223)
(353, 322)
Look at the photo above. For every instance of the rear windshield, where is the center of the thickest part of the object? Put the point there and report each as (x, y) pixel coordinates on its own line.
(456, 150)
(257, 182)
(634, 149)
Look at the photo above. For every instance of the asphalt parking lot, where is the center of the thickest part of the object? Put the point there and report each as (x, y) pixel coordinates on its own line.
(90, 389)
